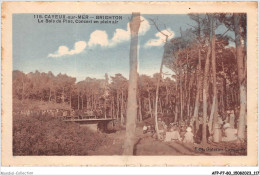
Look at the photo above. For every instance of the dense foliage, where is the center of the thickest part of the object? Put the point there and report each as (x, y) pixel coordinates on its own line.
(38, 135)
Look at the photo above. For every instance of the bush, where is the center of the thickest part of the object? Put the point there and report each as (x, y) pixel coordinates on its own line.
(28, 104)
(48, 136)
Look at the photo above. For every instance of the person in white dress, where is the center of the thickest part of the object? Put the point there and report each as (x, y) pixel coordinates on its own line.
(230, 134)
(188, 136)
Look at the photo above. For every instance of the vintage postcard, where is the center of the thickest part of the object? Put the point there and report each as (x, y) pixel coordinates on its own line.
(129, 84)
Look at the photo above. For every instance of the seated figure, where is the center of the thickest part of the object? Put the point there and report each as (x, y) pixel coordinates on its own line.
(230, 134)
(173, 135)
(145, 128)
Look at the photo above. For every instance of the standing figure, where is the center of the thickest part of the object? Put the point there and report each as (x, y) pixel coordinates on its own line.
(199, 132)
(232, 119)
(161, 128)
(227, 116)
(217, 134)
(188, 136)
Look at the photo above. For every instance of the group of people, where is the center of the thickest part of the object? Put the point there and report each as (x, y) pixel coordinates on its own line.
(171, 132)
(175, 132)
(225, 129)
(185, 131)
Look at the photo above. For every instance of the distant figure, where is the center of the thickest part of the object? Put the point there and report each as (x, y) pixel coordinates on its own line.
(227, 116)
(59, 113)
(199, 133)
(43, 113)
(52, 113)
(91, 113)
(173, 135)
(188, 136)
(161, 129)
(183, 127)
(232, 119)
(230, 134)
(192, 123)
(64, 113)
(220, 121)
(72, 113)
(151, 129)
(145, 129)
(217, 131)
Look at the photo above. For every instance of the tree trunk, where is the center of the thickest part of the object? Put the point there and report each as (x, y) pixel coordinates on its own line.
(167, 97)
(117, 105)
(78, 100)
(199, 81)
(181, 98)
(176, 101)
(70, 101)
(225, 97)
(160, 103)
(140, 110)
(153, 104)
(157, 91)
(241, 76)
(176, 113)
(86, 102)
(50, 95)
(82, 102)
(122, 120)
(63, 95)
(205, 91)
(112, 108)
(132, 87)
(222, 102)
(196, 108)
(55, 96)
(215, 95)
(105, 108)
(212, 115)
(22, 89)
(189, 96)
(93, 102)
(150, 105)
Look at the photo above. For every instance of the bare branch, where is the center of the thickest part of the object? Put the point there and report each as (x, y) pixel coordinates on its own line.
(192, 26)
(157, 28)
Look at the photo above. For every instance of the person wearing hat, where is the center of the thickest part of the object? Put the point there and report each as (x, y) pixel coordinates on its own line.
(188, 136)
(230, 134)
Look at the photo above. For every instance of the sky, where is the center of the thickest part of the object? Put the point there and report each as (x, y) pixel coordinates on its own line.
(90, 50)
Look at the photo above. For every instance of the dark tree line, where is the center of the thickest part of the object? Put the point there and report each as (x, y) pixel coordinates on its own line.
(94, 94)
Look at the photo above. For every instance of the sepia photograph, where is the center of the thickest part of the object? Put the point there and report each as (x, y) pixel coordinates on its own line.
(129, 84)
